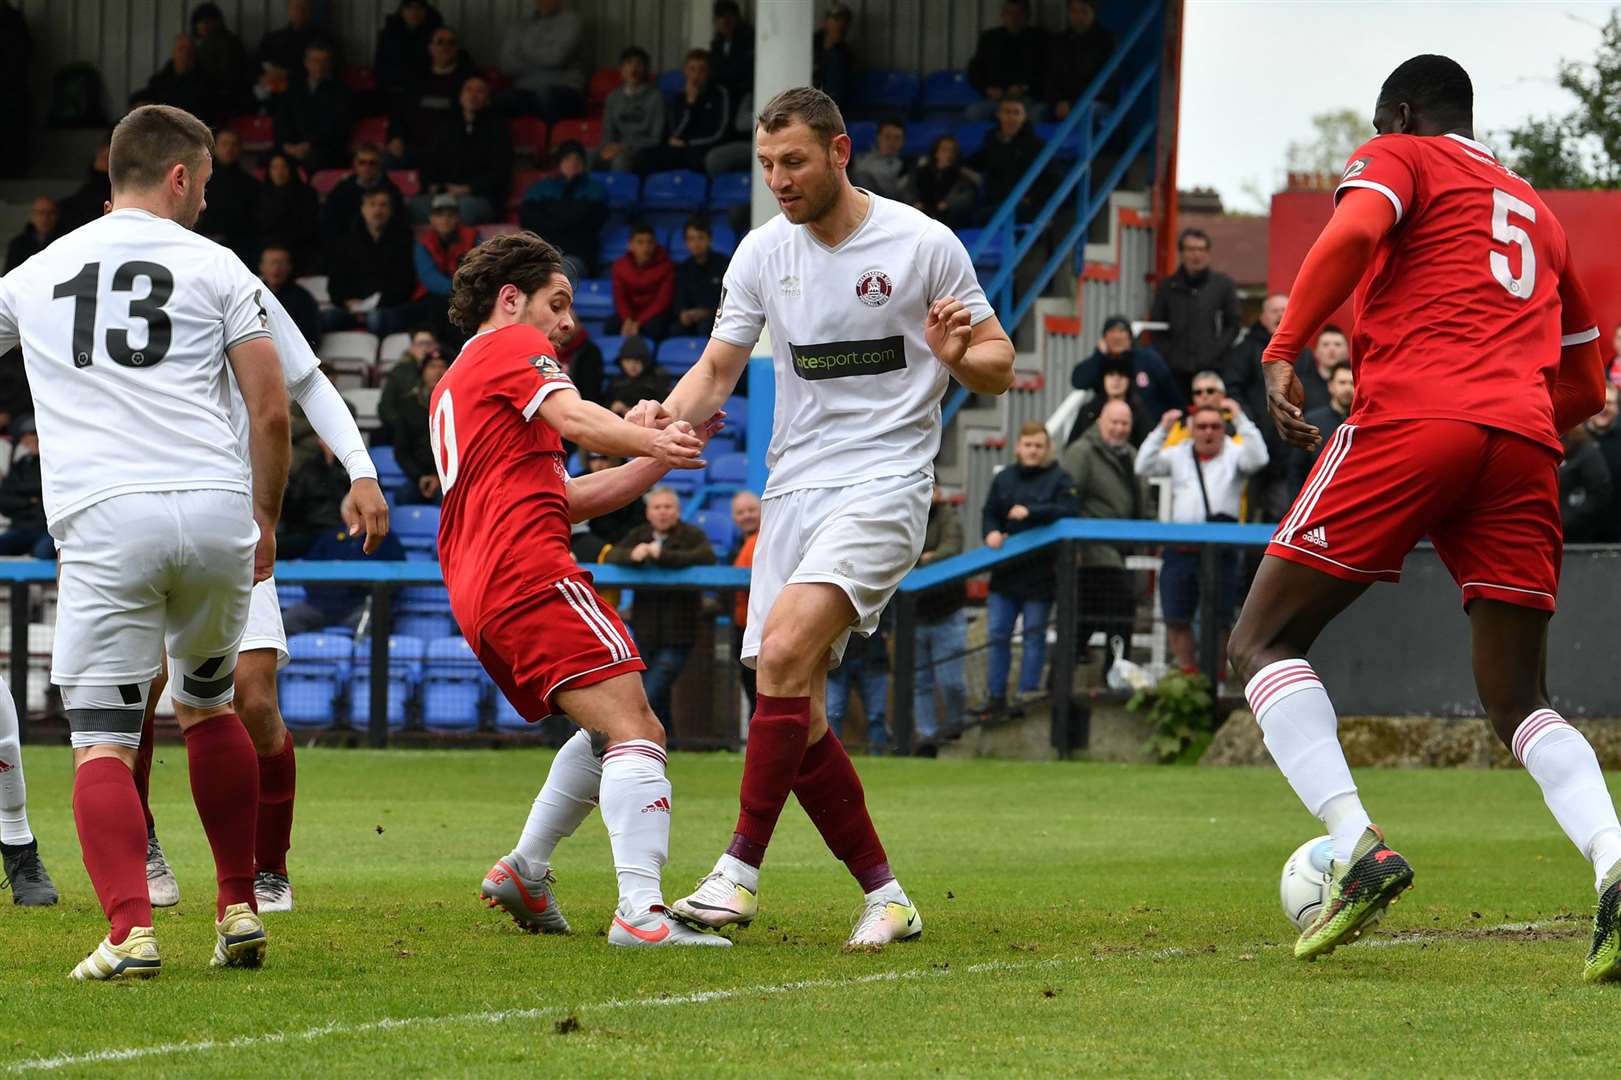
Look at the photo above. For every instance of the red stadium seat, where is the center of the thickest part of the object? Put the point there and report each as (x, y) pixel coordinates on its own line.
(409, 181)
(602, 84)
(497, 79)
(369, 129)
(258, 133)
(588, 132)
(324, 181)
(528, 136)
(522, 181)
(359, 78)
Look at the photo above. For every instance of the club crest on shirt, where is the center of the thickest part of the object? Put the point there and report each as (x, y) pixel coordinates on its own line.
(1354, 168)
(790, 285)
(873, 288)
(546, 365)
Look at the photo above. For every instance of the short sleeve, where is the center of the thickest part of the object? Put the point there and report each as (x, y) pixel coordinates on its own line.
(528, 371)
(243, 302)
(950, 272)
(740, 314)
(9, 335)
(1577, 323)
(297, 358)
(1387, 164)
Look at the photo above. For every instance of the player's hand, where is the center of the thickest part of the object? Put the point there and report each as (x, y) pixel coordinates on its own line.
(1284, 397)
(947, 330)
(1169, 419)
(678, 447)
(649, 413)
(1018, 512)
(994, 538)
(264, 556)
(711, 427)
(365, 512)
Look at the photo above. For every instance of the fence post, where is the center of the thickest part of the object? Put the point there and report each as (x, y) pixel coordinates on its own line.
(905, 679)
(382, 629)
(19, 655)
(1210, 557)
(1066, 611)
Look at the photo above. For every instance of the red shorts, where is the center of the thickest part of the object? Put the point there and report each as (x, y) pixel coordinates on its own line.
(560, 638)
(1486, 498)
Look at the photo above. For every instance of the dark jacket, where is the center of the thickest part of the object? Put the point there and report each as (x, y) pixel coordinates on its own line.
(943, 537)
(1048, 493)
(420, 113)
(698, 286)
(582, 359)
(833, 71)
(1142, 421)
(315, 492)
(402, 53)
(1585, 492)
(1106, 486)
(1073, 61)
(341, 210)
(358, 266)
(1313, 384)
(1203, 315)
(292, 214)
(569, 213)
(660, 617)
(318, 115)
(399, 386)
(285, 48)
(232, 206)
(86, 202)
(26, 244)
(1003, 164)
(701, 123)
(193, 91)
(1609, 444)
(1149, 376)
(1004, 59)
(476, 153)
(22, 494)
(1246, 384)
(651, 384)
(731, 60)
(956, 187)
(303, 310)
(412, 447)
(1297, 462)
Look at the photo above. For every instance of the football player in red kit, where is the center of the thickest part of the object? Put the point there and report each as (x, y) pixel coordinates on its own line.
(498, 419)
(1474, 348)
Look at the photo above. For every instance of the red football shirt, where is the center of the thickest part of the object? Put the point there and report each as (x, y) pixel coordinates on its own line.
(504, 525)
(1470, 295)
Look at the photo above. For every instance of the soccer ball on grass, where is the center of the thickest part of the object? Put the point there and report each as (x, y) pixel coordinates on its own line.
(1304, 888)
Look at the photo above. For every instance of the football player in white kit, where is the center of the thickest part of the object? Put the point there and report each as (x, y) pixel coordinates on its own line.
(126, 326)
(263, 651)
(872, 307)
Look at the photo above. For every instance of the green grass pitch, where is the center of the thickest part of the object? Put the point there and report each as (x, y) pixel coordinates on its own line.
(1081, 919)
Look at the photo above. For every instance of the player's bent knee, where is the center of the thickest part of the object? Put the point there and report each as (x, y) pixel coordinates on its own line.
(785, 659)
(105, 717)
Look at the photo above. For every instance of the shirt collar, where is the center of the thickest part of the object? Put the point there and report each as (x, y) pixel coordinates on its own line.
(1467, 141)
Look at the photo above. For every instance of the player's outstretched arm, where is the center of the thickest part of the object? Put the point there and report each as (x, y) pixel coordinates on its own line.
(364, 510)
(598, 493)
(1578, 391)
(980, 356)
(590, 426)
(708, 383)
(270, 448)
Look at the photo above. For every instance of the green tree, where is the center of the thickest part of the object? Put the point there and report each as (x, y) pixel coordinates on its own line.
(1581, 149)
(1334, 136)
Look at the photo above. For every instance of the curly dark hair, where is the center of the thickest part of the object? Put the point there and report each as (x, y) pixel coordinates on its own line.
(522, 259)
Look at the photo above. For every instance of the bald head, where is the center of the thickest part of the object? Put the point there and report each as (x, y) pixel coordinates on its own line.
(1114, 423)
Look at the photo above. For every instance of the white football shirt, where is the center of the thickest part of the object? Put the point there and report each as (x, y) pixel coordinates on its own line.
(297, 361)
(858, 389)
(124, 324)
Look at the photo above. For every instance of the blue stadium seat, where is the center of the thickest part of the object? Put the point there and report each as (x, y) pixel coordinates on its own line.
(453, 686)
(404, 673)
(721, 445)
(731, 189)
(920, 135)
(683, 481)
(615, 239)
(728, 468)
(430, 598)
(678, 189)
(594, 297)
(723, 238)
(737, 417)
(389, 473)
(308, 686)
(677, 354)
(887, 89)
(672, 82)
(717, 525)
(971, 136)
(418, 529)
(506, 717)
(863, 135)
(1070, 147)
(424, 625)
(948, 92)
(624, 188)
(288, 595)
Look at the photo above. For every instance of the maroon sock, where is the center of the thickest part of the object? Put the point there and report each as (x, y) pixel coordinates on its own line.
(143, 770)
(830, 791)
(770, 762)
(107, 811)
(225, 787)
(277, 776)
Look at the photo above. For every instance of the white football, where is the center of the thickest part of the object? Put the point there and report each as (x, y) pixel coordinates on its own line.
(1304, 888)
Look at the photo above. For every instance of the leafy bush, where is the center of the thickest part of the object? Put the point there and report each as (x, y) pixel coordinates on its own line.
(1183, 711)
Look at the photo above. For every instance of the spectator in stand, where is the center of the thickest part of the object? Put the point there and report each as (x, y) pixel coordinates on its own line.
(276, 271)
(403, 47)
(470, 158)
(1114, 385)
(1208, 389)
(181, 82)
(224, 59)
(1317, 367)
(883, 169)
(1009, 151)
(942, 188)
(609, 529)
(1271, 489)
(338, 605)
(731, 50)
(1074, 58)
(442, 249)
(370, 278)
(289, 210)
(735, 152)
(89, 200)
(1102, 463)
(285, 48)
(941, 631)
(233, 199)
(746, 516)
(1586, 489)
(644, 286)
(22, 497)
(864, 670)
(632, 116)
(1008, 60)
(833, 65)
(341, 211)
(1201, 307)
(401, 382)
(698, 280)
(541, 56)
(666, 622)
(311, 506)
(582, 359)
(312, 117)
(1208, 474)
(42, 228)
(1031, 492)
(1327, 418)
(640, 380)
(429, 106)
(700, 118)
(1607, 435)
(412, 449)
(1149, 377)
(569, 208)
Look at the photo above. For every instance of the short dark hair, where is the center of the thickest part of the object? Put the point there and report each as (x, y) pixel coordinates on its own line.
(521, 259)
(809, 106)
(727, 7)
(891, 121)
(640, 227)
(150, 141)
(1434, 85)
(696, 54)
(1339, 366)
(1330, 328)
(635, 52)
(275, 245)
(699, 223)
(378, 192)
(570, 146)
(1192, 234)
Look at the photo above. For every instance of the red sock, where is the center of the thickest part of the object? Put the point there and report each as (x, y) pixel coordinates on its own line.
(830, 791)
(770, 762)
(107, 811)
(143, 771)
(277, 777)
(225, 787)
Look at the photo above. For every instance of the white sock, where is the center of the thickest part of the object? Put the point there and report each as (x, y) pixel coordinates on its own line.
(565, 800)
(636, 809)
(13, 791)
(890, 890)
(740, 872)
(1565, 767)
(1302, 734)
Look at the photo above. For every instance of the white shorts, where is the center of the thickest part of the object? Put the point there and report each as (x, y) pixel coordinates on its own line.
(148, 571)
(265, 628)
(863, 538)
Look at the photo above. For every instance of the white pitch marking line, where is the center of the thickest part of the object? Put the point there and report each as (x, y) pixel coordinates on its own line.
(501, 1016)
